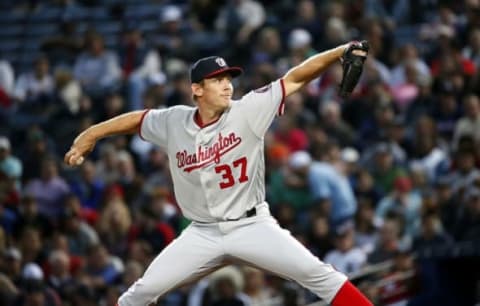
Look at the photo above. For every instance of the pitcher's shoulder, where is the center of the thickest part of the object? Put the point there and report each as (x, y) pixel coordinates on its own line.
(180, 111)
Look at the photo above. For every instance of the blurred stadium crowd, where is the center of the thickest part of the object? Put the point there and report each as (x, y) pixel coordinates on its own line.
(385, 186)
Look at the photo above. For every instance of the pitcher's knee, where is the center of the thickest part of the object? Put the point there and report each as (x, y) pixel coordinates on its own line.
(307, 270)
(139, 294)
(314, 268)
(322, 279)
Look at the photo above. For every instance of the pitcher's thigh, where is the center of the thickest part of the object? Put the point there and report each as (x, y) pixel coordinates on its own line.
(268, 246)
(187, 257)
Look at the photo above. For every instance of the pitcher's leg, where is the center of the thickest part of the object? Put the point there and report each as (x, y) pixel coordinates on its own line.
(190, 256)
(272, 248)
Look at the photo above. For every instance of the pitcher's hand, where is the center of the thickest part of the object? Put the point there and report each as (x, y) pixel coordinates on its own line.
(82, 145)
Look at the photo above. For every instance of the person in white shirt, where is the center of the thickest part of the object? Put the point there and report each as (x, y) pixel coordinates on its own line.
(35, 86)
(346, 257)
(97, 68)
(6, 77)
(469, 124)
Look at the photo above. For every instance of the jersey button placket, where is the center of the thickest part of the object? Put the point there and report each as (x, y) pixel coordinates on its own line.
(204, 179)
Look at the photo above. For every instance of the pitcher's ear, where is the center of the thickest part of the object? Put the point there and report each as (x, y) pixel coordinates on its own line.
(197, 89)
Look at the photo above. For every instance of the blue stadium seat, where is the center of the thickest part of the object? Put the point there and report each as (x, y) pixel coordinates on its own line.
(9, 45)
(111, 41)
(99, 13)
(11, 30)
(143, 11)
(81, 27)
(138, 2)
(76, 13)
(31, 45)
(25, 61)
(107, 27)
(46, 14)
(149, 25)
(12, 17)
(12, 57)
(45, 29)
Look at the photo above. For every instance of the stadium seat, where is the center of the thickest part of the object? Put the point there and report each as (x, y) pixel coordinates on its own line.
(99, 13)
(46, 14)
(12, 18)
(148, 25)
(46, 29)
(11, 30)
(142, 11)
(107, 27)
(9, 45)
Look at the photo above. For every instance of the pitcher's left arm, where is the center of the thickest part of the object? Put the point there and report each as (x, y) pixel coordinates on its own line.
(314, 66)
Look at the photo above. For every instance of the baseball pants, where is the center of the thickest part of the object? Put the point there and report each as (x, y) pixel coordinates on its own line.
(259, 241)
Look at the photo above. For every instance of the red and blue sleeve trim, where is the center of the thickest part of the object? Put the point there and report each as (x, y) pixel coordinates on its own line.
(141, 123)
(281, 108)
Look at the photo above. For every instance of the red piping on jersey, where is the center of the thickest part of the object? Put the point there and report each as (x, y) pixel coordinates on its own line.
(198, 120)
(141, 122)
(349, 295)
(281, 108)
(218, 71)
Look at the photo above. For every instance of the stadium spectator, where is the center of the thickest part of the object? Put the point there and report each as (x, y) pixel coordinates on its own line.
(10, 166)
(80, 236)
(157, 233)
(470, 123)
(102, 268)
(30, 216)
(7, 81)
(255, 287)
(96, 68)
(404, 203)
(339, 130)
(366, 234)
(330, 189)
(432, 235)
(172, 37)
(36, 86)
(89, 189)
(319, 236)
(346, 257)
(49, 189)
(240, 18)
(138, 61)
(60, 278)
(388, 243)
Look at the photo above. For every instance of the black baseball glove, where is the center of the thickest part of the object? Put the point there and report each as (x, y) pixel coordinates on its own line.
(352, 61)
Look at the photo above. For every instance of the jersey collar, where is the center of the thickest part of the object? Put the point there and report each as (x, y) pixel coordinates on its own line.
(198, 120)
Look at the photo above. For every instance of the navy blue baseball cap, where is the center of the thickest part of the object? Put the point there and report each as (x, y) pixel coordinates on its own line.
(211, 66)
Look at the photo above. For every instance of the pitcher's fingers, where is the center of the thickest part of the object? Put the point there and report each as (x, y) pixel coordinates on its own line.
(359, 52)
(71, 157)
(67, 156)
(72, 161)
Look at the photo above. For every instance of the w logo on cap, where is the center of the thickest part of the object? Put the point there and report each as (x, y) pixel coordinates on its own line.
(221, 62)
(208, 67)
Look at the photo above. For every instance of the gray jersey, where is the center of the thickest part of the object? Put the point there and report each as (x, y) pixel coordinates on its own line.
(218, 170)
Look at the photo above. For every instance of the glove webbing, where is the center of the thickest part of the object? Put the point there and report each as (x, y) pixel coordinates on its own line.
(352, 72)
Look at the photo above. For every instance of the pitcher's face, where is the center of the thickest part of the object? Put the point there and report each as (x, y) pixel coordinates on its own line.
(215, 92)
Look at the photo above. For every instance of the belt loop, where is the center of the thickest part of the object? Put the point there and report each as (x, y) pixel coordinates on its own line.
(252, 212)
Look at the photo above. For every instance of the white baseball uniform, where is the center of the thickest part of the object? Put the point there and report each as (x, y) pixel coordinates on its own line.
(218, 175)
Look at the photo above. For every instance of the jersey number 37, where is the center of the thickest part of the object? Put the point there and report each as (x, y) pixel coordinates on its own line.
(227, 175)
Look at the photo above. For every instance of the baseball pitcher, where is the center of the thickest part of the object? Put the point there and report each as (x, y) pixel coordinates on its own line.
(217, 163)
